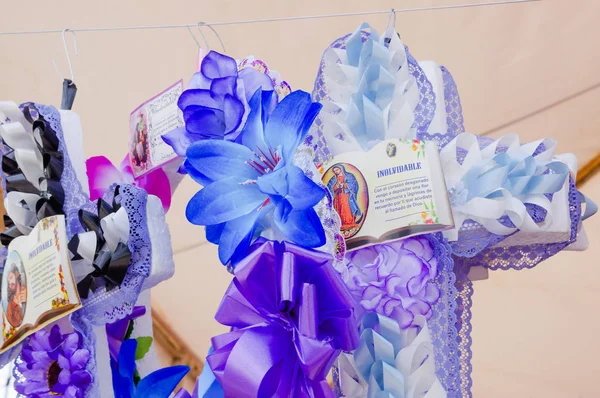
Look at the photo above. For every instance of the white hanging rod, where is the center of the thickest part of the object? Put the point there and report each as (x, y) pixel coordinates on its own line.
(251, 21)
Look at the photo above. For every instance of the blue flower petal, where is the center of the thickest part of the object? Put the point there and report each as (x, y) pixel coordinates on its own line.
(205, 122)
(303, 192)
(274, 183)
(126, 361)
(224, 85)
(290, 121)
(254, 80)
(237, 236)
(213, 233)
(199, 81)
(122, 386)
(253, 135)
(302, 227)
(221, 159)
(198, 97)
(216, 65)
(179, 139)
(195, 174)
(234, 113)
(161, 383)
(223, 201)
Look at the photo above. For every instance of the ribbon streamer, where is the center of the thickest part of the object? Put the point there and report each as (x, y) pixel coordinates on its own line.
(390, 363)
(103, 245)
(32, 166)
(498, 180)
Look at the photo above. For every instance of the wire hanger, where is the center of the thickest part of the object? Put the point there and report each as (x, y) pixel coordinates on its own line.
(69, 89)
(201, 34)
(215, 32)
(392, 19)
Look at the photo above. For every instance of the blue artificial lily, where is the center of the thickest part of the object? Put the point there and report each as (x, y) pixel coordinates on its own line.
(250, 184)
(158, 384)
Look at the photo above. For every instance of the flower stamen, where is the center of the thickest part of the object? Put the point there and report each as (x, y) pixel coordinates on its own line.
(53, 372)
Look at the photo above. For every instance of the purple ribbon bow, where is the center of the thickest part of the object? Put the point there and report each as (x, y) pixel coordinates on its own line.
(290, 315)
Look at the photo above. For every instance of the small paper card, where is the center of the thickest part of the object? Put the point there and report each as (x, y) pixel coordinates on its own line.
(395, 190)
(147, 124)
(37, 283)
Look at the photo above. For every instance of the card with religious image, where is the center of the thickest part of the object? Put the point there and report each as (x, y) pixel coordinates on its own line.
(147, 124)
(37, 285)
(393, 191)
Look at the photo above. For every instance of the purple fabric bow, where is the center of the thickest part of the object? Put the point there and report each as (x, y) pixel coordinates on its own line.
(290, 315)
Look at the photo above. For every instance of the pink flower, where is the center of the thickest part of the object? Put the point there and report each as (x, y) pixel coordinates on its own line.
(102, 174)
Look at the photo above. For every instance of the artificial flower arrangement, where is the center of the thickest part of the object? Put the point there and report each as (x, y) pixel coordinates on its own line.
(389, 319)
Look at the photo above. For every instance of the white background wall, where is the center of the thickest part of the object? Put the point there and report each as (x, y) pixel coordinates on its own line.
(532, 68)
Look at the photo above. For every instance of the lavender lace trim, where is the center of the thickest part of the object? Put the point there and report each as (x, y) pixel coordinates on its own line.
(75, 198)
(423, 114)
(86, 329)
(442, 324)
(464, 301)
(454, 116)
(109, 306)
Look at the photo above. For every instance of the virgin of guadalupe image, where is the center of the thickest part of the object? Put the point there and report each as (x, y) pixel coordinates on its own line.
(344, 188)
(17, 296)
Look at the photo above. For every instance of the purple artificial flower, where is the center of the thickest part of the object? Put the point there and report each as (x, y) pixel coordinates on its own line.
(396, 279)
(215, 104)
(54, 365)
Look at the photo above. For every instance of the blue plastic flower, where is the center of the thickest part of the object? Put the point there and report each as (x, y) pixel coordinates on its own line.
(254, 184)
(215, 104)
(160, 383)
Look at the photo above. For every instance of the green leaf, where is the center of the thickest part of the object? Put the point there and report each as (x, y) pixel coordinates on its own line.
(143, 347)
(425, 204)
(129, 331)
(136, 377)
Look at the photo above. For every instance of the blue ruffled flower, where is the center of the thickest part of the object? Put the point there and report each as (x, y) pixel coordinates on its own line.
(254, 184)
(215, 104)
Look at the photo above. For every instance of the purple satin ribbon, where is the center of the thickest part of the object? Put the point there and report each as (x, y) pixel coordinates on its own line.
(290, 315)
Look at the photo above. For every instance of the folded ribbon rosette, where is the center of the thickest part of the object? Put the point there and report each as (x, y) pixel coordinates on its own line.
(389, 362)
(290, 315)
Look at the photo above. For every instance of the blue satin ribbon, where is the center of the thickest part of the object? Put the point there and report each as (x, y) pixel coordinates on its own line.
(520, 177)
(365, 115)
(591, 207)
(380, 343)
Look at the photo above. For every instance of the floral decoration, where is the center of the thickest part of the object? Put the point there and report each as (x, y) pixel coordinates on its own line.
(215, 104)
(102, 174)
(290, 315)
(53, 364)
(160, 383)
(252, 185)
(396, 279)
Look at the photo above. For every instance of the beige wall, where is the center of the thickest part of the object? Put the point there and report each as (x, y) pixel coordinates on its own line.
(531, 66)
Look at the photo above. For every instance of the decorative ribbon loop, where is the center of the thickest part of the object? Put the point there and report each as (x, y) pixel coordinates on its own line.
(499, 180)
(390, 362)
(33, 167)
(104, 244)
(290, 316)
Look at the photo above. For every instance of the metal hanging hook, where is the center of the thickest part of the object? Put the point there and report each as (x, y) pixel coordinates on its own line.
(215, 32)
(391, 18)
(67, 53)
(201, 34)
